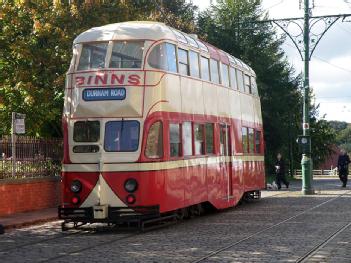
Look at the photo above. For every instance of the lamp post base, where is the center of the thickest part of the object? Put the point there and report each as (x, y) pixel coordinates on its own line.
(306, 164)
(308, 191)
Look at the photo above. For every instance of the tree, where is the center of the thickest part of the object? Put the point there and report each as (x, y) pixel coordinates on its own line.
(36, 45)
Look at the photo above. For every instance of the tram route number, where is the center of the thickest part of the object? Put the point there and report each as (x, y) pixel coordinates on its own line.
(104, 94)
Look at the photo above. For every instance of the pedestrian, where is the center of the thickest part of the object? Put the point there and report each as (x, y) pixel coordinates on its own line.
(280, 172)
(343, 167)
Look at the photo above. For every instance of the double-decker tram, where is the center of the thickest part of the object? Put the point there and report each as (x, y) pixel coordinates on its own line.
(157, 122)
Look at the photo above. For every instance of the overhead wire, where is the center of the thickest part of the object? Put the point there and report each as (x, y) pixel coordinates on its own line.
(280, 2)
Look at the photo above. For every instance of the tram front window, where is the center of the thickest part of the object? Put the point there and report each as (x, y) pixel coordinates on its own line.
(121, 136)
(92, 56)
(127, 54)
(86, 131)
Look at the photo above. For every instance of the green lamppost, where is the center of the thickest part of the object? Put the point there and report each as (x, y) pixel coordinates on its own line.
(306, 41)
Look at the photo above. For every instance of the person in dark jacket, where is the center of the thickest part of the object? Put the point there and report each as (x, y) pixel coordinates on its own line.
(280, 172)
(343, 167)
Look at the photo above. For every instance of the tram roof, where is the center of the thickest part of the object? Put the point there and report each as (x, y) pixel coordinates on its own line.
(147, 30)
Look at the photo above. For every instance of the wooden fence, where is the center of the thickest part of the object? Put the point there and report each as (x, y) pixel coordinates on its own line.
(35, 157)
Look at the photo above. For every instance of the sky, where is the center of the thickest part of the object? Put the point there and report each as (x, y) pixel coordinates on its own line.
(330, 66)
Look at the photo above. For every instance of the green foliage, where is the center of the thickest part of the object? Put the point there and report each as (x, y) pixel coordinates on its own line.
(343, 134)
(36, 45)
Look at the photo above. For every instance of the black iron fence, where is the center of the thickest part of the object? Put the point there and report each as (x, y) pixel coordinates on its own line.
(30, 157)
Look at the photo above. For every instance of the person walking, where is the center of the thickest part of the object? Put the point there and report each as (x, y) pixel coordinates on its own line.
(280, 172)
(343, 167)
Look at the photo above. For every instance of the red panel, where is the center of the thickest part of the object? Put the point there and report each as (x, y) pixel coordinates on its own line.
(88, 181)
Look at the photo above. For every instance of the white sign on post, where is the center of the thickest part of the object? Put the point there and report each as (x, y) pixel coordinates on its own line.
(20, 127)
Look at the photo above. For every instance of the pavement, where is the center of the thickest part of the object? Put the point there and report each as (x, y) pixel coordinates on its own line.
(28, 218)
(284, 226)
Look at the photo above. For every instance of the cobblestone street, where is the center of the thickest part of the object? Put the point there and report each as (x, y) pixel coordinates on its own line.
(282, 227)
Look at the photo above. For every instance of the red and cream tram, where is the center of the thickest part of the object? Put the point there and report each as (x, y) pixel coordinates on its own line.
(156, 121)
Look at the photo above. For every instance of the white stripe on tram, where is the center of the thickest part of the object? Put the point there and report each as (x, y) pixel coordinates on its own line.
(154, 166)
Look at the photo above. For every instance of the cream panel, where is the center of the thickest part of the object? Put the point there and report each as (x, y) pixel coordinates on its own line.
(257, 109)
(107, 196)
(102, 195)
(154, 97)
(192, 96)
(234, 104)
(172, 94)
(223, 101)
(131, 106)
(163, 97)
(210, 99)
(119, 167)
(247, 108)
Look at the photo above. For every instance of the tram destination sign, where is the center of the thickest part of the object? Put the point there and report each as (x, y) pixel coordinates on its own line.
(98, 94)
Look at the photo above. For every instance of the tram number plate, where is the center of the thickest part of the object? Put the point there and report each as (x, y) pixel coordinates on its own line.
(97, 94)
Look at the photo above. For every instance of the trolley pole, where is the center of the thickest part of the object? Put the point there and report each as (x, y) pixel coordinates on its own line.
(306, 161)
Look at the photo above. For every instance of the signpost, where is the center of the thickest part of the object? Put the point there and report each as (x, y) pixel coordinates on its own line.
(18, 127)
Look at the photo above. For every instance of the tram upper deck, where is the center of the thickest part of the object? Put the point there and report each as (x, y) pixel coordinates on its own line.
(121, 73)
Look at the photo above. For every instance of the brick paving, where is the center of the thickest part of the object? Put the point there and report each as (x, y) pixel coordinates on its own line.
(249, 233)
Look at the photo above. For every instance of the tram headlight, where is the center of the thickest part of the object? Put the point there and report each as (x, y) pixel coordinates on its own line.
(131, 185)
(76, 186)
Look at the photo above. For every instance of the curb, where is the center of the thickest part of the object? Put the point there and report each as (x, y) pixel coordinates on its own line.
(27, 223)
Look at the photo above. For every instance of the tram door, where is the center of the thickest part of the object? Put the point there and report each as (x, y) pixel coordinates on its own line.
(225, 152)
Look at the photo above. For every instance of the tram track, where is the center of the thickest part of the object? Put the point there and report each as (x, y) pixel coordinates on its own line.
(90, 247)
(61, 235)
(322, 244)
(307, 255)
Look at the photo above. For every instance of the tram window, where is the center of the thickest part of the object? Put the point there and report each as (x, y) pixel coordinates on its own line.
(86, 149)
(154, 142)
(199, 139)
(251, 140)
(194, 64)
(258, 141)
(222, 140)
(121, 136)
(245, 139)
(233, 83)
(247, 84)
(86, 131)
(174, 140)
(205, 70)
(240, 79)
(187, 138)
(225, 75)
(254, 86)
(209, 138)
(163, 56)
(183, 61)
(92, 56)
(214, 71)
(127, 54)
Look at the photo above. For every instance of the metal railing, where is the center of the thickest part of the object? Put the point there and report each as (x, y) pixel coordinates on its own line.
(319, 173)
(34, 157)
